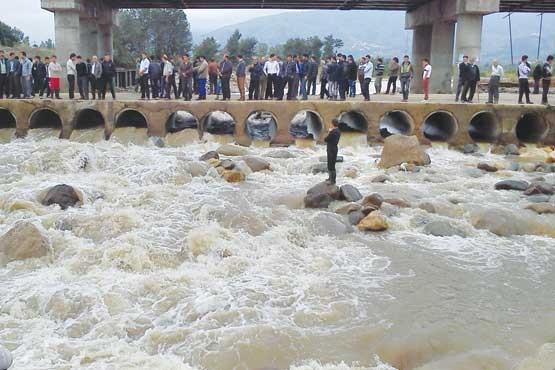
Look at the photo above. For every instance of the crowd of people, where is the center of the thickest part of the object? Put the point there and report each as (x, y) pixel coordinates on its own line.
(272, 78)
(21, 77)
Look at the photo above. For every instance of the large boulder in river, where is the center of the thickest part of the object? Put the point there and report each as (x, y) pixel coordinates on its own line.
(325, 223)
(233, 176)
(23, 241)
(232, 150)
(399, 149)
(512, 185)
(209, 155)
(63, 195)
(375, 221)
(321, 195)
(256, 163)
(350, 193)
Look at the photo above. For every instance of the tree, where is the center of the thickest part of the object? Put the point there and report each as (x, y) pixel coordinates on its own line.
(261, 49)
(11, 36)
(48, 44)
(299, 46)
(331, 45)
(232, 45)
(247, 47)
(208, 47)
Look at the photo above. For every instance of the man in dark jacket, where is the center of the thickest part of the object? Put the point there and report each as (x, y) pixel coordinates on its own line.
(225, 76)
(324, 79)
(39, 76)
(537, 74)
(14, 76)
(82, 78)
(303, 69)
(255, 70)
(352, 75)
(155, 74)
(470, 76)
(289, 79)
(547, 75)
(463, 71)
(343, 76)
(312, 75)
(332, 141)
(108, 73)
(3, 75)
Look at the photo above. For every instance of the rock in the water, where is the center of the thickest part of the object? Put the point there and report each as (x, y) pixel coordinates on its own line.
(319, 168)
(256, 163)
(6, 359)
(232, 150)
(542, 208)
(326, 223)
(540, 198)
(209, 155)
(381, 179)
(227, 164)
(281, 154)
(321, 195)
(349, 208)
(528, 167)
(512, 185)
(373, 200)
(350, 193)
(375, 221)
(512, 149)
(514, 166)
(400, 149)
(540, 188)
(233, 176)
(506, 223)
(470, 148)
(356, 217)
(543, 360)
(63, 195)
(350, 172)
(487, 167)
(401, 203)
(23, 241)
(443, 228)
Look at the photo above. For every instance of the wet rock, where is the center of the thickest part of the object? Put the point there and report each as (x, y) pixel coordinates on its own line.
(349, 208)
(319, 168)
(6, 359)
(400, 149)
(542, 208)
(381, 179)
(350, 172)
(350, 193)
(23, 241)
(401, 203)
(366, 210)
(486, 167)
(233, 176)
(157, 141)
(214, 162)
(242, 166)
(512, 149)
(280, 154)
(512, 185)
(443, 228)
(197, 169)
(540, 188)
(373, 200)
(232, 150)
(470, 148)
(256, 164)
(540, 198)
(528, 167)
(543, 360)
(473, 172)
(514, 166)
(227, 164)
(209, 155)
(498, 149)
(326, 223)
(355, 217)
(503, 222)
(63, 195)
(321, 195)
(261, 126)
(375, 221)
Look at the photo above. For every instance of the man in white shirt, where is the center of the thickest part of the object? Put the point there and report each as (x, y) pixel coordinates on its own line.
(368, 70)
(426, 75)
(271, 70)
(497, 74)
(143, 76)
(71, 73)
(523, 84)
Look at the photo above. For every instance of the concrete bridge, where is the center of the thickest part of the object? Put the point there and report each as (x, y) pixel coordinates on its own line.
(284, 122)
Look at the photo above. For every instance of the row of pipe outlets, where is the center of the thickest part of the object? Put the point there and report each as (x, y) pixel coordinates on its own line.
(306, 124)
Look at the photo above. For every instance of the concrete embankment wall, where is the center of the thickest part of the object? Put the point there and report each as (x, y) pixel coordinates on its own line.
(451, 123)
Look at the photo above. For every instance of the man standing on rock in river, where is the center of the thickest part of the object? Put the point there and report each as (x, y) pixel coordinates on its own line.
(332, 140)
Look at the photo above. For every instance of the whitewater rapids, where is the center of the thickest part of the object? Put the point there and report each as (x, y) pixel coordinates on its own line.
(166, 268)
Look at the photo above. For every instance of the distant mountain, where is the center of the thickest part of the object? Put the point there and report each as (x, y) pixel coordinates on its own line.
(382, 33)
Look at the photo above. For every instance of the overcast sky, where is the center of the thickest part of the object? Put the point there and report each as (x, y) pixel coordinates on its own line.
(28, 16)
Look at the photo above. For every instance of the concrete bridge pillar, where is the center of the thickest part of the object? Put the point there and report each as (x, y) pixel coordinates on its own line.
(469, 35)
(421, 46)
(441, 57)
(67, 30)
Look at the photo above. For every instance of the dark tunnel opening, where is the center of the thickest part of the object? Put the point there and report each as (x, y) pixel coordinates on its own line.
(306, 125)
(131, 118)
(88, 119)
(261, 126)
(7, 119)
(483, 127)
(530, 128)
(396, 123)
(181, 120)
(219, 123)
(45, 118)
(440, 126)
(353, 121)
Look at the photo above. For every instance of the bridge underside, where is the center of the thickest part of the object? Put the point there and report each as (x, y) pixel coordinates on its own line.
(534, 6)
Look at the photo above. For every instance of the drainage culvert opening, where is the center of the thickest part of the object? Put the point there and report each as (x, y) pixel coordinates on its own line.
(7, 119)
(531, 128)
(440, 126)
(306, 125)
(131, 118)
(219, 123)
(353, 121)
(483, 127)
(88, 119)
(45, 118)
(396, 123)
(181, 120)
(261, 126)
